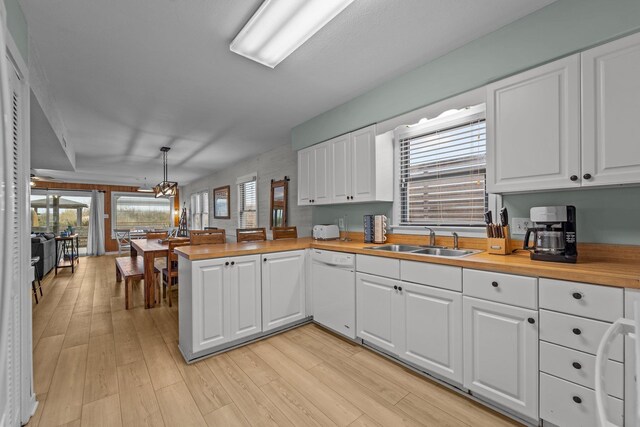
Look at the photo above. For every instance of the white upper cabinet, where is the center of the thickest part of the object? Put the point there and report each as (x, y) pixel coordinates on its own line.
(306, 176)
(341, 159)
(283, 289)
(351, 168)
(533, 129)
(611, 113)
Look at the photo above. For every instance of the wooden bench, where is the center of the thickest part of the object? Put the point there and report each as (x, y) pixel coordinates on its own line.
(131, 268)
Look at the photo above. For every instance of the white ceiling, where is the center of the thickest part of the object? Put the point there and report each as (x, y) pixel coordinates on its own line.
(132, 76)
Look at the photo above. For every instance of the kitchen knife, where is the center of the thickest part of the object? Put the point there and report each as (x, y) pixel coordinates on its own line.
(504, 217)
(488, 220)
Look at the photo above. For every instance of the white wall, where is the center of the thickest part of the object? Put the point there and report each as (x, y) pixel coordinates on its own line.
(274, 164)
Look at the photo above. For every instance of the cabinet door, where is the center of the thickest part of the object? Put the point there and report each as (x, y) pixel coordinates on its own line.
(210, 305)
(323, 174)
(245, 297)
(611, 108)
(378, 307)
(341, 161)
(363, 174)
(533, 129)
(283, 289)
(432, 329)
(501, 354)
(306, 176)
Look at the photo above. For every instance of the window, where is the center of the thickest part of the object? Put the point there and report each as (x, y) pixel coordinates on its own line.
(442, 166)
(200, 210)
(134, 211)
(247, 202)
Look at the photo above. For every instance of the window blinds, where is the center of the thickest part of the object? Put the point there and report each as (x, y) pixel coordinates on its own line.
(442, 174)
(247, 204)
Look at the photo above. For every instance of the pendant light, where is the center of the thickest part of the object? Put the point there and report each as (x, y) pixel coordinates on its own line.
(145, 188)
(165, 188)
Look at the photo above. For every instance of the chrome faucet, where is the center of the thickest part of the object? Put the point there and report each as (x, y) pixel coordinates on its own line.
(432, 236)
(455, 240)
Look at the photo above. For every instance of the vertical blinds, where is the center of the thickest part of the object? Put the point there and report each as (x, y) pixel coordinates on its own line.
(247, 204)
(442, 175)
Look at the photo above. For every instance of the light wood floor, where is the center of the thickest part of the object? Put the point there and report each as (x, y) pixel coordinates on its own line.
(96, 364)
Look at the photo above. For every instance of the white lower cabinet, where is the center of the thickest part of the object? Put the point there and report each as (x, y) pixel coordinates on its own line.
(501, 354)
(283, 289)
(420, 324)
(432, 329)
(226, 298)
(378, 307)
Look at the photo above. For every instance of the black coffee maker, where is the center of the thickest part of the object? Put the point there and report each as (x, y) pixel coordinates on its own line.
(554, 235)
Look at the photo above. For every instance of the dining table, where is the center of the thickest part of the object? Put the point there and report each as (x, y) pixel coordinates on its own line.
(149, 250)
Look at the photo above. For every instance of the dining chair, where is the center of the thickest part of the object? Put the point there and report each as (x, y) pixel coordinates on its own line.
(251, 234)
(170, 272)
(285, 233)
(123, 237)
(208, 237)
(157, 235)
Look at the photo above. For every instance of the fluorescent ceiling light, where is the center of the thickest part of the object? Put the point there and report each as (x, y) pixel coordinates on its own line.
(279, 27)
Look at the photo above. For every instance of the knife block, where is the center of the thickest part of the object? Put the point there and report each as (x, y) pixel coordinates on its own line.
(500, 246)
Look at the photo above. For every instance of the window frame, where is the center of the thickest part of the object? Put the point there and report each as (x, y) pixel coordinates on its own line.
(204, 208)
(253, 177)
(114, 207)
(469, 106)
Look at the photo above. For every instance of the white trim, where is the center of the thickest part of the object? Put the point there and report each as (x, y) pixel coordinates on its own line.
(247, 178)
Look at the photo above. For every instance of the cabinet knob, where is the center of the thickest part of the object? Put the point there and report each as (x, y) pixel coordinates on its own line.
(264, 260)
(395, 287)
(226, 263)
(531, 320)
(573, 177)
(576, 365)
(587, 176)
(494, 284)
(577, 399)
(233, 262)
(577, 331)
(577, 295)
(400, 288)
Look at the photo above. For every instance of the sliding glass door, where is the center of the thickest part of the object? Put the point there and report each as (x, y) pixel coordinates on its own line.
(56, 211)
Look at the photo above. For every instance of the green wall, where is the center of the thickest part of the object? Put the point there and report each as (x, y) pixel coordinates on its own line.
(557, 30)
(604, 215)
(17, 24)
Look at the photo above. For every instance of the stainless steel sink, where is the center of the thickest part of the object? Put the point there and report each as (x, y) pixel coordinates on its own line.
(397, 248)
(427, 250)
(444, 252)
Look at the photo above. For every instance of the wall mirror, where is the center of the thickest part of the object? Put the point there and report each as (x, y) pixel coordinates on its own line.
(279, 201)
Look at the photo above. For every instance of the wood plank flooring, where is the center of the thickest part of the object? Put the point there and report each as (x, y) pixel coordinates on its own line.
(97, 364)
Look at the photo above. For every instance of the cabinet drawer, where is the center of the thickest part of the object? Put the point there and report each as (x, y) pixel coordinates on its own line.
(594, 301)
(577, 333)
(580, 368)
(506, 288)
(440, 276)
(380, 266)
(567, 404)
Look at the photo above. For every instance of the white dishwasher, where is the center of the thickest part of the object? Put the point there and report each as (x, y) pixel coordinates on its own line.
(334, 291)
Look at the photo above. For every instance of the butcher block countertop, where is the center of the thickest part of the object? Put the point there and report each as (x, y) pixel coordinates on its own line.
(623, 271)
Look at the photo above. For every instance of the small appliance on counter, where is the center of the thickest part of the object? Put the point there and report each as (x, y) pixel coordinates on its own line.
(326, 232)
(554, 237)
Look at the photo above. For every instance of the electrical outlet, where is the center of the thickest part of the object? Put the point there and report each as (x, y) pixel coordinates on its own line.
(341, 223)
(520, 225)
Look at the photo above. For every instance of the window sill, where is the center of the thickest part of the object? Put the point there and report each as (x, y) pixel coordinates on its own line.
(479, 232)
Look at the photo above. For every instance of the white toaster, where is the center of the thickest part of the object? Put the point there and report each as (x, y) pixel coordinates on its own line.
(326, 232)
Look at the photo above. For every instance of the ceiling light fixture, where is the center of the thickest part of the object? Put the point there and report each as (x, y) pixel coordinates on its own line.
(145, 188)
(165, 188)
(279, 27)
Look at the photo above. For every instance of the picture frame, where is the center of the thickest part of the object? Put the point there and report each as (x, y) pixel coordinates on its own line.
(279, 203)
(222, 202)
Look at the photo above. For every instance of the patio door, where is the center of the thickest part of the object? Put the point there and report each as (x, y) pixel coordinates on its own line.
(54, 211)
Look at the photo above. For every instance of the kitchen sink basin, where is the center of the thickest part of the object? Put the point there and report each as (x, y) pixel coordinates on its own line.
(397, 248)
(429, 250)
(444, 252)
